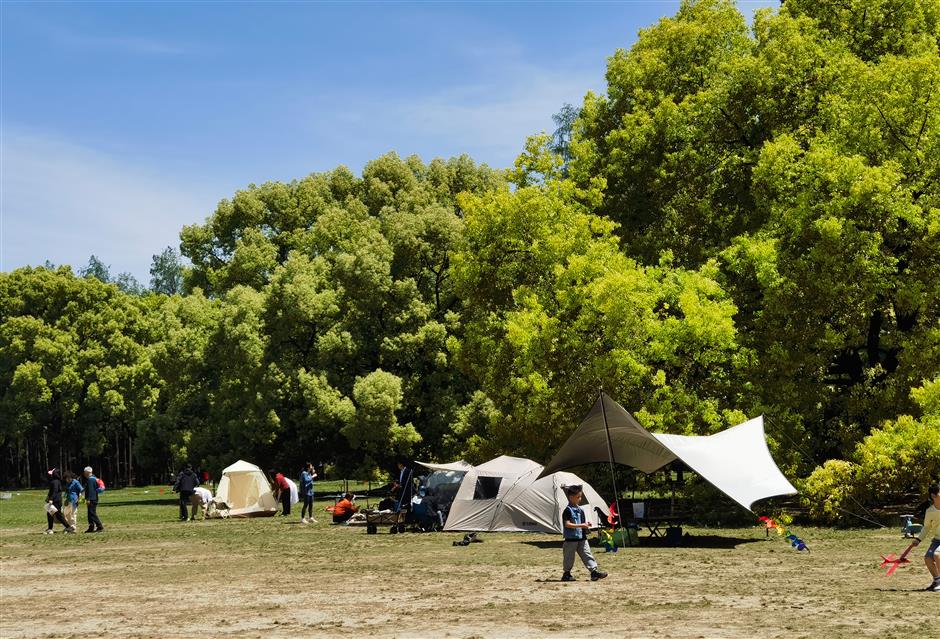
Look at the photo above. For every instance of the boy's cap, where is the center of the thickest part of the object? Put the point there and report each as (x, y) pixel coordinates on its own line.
(50, 471)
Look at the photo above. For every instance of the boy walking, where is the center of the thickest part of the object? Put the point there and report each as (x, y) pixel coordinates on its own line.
(931, 531)
(576, 532)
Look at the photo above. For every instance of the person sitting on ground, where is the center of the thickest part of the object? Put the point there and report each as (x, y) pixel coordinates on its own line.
(201, 498)
(576, 529)
(931, 531)
(282, 492)
(344, 509)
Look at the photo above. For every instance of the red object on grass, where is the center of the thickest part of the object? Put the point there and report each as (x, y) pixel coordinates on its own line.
(893, 562)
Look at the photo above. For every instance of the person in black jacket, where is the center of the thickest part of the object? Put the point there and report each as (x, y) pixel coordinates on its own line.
(185, 485)
(403, 487)
(54, 498)
(91, 500)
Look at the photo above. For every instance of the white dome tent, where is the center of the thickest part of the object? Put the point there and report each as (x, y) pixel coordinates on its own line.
(244, 491)
(506, 495)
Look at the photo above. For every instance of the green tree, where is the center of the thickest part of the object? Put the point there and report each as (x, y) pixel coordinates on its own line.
(166, 272)
(554, 311)
(803, 157)
(75, 371)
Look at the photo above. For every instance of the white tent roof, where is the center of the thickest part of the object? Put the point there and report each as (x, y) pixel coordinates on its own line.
(459, 466)
(241, 466)
(736, 461)
(524, 502)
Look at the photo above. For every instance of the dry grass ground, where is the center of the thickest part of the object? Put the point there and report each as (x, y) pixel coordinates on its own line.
(151, 576)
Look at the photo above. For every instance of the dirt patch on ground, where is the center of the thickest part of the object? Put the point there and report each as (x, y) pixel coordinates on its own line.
(264, 578)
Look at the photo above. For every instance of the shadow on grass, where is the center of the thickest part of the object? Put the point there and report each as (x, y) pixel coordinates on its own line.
(691, 541)
(140, 502)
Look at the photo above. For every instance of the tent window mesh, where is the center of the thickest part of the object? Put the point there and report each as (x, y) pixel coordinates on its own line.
(487, 487)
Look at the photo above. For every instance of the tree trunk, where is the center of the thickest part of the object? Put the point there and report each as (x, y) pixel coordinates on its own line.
(29, 474)
(130, 459)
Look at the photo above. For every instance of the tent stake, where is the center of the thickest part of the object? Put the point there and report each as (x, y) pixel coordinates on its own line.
(610, 452)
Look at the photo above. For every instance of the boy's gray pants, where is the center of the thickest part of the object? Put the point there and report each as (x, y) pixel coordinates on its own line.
(580, 546)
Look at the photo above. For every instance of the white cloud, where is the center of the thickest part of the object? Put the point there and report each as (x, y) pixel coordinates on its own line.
(129, 43)
(62, 202)
(487, 119)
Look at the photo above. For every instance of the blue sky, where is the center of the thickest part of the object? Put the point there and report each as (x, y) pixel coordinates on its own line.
(121, 122)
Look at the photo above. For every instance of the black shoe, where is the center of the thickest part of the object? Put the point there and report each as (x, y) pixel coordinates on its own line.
(98, 530)
(90, 530)
(597, 574)
(567, 577)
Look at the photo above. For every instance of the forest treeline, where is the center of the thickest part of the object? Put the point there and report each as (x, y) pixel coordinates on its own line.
(746, 222)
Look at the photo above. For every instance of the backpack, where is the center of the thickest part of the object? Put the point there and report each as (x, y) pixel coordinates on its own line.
(101, 487)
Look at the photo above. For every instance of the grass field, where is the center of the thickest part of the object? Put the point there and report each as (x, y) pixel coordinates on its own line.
(149, 575)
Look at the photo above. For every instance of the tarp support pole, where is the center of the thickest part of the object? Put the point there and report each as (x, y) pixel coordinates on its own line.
(613, 480)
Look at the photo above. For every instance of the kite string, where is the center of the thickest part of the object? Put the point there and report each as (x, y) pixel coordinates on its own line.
(849, 495)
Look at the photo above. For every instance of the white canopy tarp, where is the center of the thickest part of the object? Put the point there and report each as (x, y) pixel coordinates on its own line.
(244, 491)
(506, 494)
(736, 461)
(459, 466)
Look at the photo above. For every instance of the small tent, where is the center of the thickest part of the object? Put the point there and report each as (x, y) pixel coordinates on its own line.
(506, 495)
(244, 491)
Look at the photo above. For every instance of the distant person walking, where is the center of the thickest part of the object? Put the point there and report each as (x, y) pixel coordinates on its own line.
(185, 485)
(282, 492)
(576, 529)
(306, 491)
(73, 491)
(54, 504)
(91, 500)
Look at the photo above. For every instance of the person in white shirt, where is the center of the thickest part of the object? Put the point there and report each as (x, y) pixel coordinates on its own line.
(200, 497)
(931, 532)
